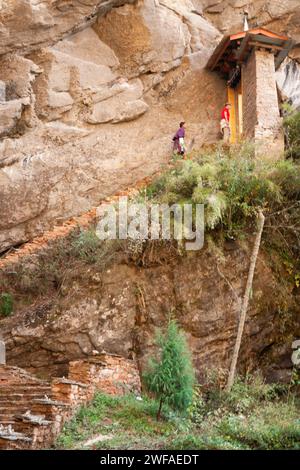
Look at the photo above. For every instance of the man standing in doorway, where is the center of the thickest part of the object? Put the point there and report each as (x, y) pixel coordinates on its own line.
(225, 123)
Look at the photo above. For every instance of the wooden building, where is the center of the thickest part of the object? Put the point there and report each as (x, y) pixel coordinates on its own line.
(248, 61)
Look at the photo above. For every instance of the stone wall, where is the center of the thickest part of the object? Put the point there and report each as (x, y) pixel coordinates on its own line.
(111, 374)
(261, 115)
(269, 128)
(249, 92)
(33, 412)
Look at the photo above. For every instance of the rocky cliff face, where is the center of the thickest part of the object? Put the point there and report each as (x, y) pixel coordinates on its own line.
(91, 92)
(119, 309)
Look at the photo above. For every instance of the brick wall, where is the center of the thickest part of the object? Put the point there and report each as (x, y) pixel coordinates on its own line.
(261, 115)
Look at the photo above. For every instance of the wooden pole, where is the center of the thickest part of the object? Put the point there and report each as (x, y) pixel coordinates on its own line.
(244, 308)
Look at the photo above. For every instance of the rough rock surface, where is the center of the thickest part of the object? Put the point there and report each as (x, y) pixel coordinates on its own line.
(119, 311)
(74, 73)
(288, 80)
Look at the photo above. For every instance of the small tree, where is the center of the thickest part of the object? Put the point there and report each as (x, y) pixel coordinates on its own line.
(6, 304)
(171, 376)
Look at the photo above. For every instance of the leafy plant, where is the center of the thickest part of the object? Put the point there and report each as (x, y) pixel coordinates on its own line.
(171, 376)
(6, 304)
(292, 131)
(86, 245)
(270, 428)
(233, 186)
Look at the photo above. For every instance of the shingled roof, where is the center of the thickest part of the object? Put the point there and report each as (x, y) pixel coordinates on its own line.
(235, 49)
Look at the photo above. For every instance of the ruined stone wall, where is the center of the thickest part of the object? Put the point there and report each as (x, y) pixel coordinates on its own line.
(36, 417)
(111, 374)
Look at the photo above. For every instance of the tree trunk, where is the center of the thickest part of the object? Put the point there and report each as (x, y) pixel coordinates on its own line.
(159, 409)
(244, 308)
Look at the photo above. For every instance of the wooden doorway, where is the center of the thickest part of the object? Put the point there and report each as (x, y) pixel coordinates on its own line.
(235, 98)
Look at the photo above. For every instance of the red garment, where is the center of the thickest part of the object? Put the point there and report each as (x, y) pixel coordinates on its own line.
(225, 114)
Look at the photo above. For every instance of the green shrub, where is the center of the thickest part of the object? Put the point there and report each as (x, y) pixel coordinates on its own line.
(244, 396)
(154, 189)
(271, 427)
(286, 174)
(254, 415)
(292, 130)
(86, 246)
(170, 377)
(232, 186)
(6, 304)
(216, 205)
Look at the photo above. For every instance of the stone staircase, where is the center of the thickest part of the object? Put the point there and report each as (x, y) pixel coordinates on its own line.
(33, 411)
(28, 414)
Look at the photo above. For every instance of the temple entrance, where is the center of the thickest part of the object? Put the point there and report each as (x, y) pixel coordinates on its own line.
(235, 98)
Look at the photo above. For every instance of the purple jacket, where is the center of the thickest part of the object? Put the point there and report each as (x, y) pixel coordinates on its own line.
(179, 134)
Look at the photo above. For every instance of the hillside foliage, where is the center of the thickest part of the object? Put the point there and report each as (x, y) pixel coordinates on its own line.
(254, 415)
(231, 184)
(292, 132)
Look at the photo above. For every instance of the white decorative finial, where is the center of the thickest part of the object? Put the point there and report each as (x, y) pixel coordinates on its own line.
(246, 24)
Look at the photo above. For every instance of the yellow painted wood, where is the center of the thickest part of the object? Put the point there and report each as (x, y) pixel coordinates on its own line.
(239, 92)
(240, 99)
(233, 114)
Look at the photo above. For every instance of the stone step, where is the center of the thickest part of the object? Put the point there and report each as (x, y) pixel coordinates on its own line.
(7, 376)
(49, 411)
(20, 404)
(18, 444)
(21, 398)
(23, 388)
(12, 419)
(11, 439)
(26, 434)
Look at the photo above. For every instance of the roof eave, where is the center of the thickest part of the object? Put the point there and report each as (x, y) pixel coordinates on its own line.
(225, 42)
(218, 52)
(262, 31)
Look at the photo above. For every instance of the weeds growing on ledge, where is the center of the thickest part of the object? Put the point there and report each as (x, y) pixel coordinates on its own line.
(231, 184)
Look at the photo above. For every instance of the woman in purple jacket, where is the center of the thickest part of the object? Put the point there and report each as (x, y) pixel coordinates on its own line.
(178, 139)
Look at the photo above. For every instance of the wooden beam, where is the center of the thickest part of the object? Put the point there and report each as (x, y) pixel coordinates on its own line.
(219, 51)
(283, 53)
(243, 48)
(265, 46)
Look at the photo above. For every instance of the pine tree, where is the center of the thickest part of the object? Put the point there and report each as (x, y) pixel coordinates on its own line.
(170, 377)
